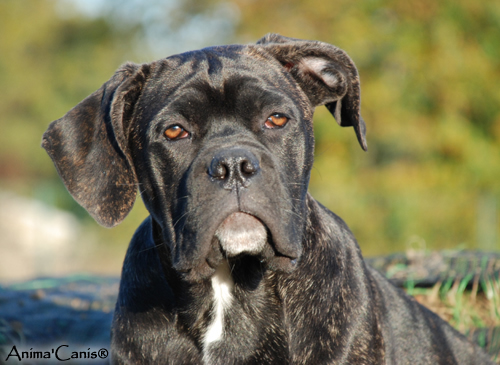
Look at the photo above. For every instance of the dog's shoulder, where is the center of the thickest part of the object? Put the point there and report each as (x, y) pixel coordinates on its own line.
(145, 312)
(402, 320)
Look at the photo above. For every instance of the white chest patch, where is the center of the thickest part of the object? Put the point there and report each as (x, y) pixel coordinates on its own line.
(222, 284)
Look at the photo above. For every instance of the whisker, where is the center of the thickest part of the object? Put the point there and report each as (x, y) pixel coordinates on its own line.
(182, 216)
(295, 214)
(318, 172)
(231, 267)
(150, 248)
(286, 199)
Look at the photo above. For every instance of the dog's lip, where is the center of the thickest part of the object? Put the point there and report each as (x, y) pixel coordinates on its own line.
(266, 249)
(238, 213)
(213, 261)
(240, 233)
(241, 217)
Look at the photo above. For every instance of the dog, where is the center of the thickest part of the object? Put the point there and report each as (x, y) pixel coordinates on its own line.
(237, 263)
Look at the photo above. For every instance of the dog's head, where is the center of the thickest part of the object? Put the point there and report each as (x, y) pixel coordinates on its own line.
(218, 141)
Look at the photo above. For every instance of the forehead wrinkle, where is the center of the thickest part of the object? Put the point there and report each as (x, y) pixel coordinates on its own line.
(243, 95)
(215, 77)
(214, 70)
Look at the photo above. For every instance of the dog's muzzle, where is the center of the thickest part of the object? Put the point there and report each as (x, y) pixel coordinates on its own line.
(238, 210)
(239, 233)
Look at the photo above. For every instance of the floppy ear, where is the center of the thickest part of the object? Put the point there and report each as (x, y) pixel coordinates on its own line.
(89, 147)
(325, 73)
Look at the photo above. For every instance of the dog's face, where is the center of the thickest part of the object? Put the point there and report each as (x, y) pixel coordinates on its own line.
(212, 149)
(218, 141)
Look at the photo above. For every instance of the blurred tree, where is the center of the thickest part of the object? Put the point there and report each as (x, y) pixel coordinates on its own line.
(162, 28)
(47, 64)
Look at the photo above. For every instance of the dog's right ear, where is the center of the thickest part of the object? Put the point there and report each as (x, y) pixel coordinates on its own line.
(90, 151)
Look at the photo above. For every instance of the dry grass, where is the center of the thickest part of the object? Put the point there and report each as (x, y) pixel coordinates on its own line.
(466, 308)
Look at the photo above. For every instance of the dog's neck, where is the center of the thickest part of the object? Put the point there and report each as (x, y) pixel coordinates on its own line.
(231, 309)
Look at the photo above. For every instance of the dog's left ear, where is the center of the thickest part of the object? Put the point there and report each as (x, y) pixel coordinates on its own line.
(325, 73)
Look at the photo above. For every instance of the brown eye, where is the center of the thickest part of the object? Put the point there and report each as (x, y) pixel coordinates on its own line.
(176, 132)
(276, 120)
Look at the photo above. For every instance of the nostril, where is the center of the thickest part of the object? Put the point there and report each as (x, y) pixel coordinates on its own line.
(218, 169)
(248, 168)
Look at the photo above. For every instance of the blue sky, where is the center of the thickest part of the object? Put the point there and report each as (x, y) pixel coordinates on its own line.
(214, 27)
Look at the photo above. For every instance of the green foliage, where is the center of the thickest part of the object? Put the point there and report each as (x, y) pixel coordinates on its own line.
(46, 65)
(429, 73)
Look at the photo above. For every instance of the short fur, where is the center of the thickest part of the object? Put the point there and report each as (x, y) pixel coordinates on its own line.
(188, 293)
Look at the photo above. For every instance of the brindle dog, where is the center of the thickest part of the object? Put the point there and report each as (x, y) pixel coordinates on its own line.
(237, 263)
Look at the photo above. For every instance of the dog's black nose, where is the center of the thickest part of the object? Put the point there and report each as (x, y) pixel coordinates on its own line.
(234, 166)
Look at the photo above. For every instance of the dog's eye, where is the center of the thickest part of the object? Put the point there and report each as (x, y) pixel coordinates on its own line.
(276, 121)
(176, 132)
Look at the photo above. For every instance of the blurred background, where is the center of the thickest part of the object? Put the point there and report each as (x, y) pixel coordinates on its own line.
(430, 76)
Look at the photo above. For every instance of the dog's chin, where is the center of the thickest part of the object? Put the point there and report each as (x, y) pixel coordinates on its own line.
(246, 243)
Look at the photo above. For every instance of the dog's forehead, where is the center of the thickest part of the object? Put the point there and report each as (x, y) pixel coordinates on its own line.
(216, 74)
(224, 60)
(216, 66)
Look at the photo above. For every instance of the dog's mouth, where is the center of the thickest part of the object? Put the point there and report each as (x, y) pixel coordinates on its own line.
(248, 243)
(243, 235)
